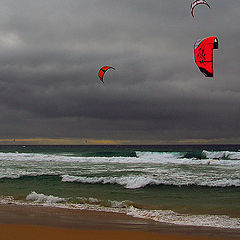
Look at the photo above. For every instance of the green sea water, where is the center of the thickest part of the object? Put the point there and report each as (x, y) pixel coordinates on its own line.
(175, 184)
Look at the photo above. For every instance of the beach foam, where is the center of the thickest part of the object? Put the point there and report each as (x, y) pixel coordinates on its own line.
(164, 216)
(41, 198)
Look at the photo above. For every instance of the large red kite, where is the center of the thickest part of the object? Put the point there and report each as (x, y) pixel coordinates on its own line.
(102, 71)
(203, 53)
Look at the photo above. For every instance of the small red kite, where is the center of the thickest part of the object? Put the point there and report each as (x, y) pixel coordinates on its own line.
(198, 2)
(102, 71)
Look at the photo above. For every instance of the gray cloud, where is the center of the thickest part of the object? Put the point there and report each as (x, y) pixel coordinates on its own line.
(51, 52)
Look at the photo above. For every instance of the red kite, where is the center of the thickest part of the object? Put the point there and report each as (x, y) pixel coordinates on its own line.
(203, 54)
(102, 71)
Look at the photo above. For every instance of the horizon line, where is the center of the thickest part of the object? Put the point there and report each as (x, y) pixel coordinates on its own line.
(86, 141)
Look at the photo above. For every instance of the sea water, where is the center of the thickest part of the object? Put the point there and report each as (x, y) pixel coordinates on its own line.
(188, 185)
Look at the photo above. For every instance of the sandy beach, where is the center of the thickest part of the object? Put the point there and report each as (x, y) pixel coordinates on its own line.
(36, 222)
(10, 232)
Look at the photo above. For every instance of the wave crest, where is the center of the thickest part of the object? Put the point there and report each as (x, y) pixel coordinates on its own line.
(41, 198)
(134, 182)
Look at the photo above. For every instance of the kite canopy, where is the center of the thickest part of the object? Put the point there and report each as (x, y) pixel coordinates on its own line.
(203, 53)
(102, 71)
(196, 3)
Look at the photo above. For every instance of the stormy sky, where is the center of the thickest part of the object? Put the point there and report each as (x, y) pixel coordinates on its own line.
(51, 51)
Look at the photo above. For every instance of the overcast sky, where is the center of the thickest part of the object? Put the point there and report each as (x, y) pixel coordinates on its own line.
(51, 51)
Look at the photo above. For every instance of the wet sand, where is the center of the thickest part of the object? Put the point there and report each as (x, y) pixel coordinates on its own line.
(36, 222)
(31, 232)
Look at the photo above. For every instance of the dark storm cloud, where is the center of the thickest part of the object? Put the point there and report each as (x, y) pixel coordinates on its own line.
(51, 52)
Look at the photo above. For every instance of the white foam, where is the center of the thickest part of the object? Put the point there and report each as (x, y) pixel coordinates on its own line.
(130, 182)
(41, 198)
(169, 216)
(142, 158)
(149, 168)
(223, 183)
(153, 156)
(125, 207)
(222, 155)
(134, 182)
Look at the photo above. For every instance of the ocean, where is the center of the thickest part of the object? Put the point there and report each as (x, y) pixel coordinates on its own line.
(197, 185)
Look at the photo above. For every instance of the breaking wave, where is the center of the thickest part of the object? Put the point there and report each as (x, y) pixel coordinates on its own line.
(41, 198)
(128, 208)
(133, 157)
(225, 155)
(134, 182)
